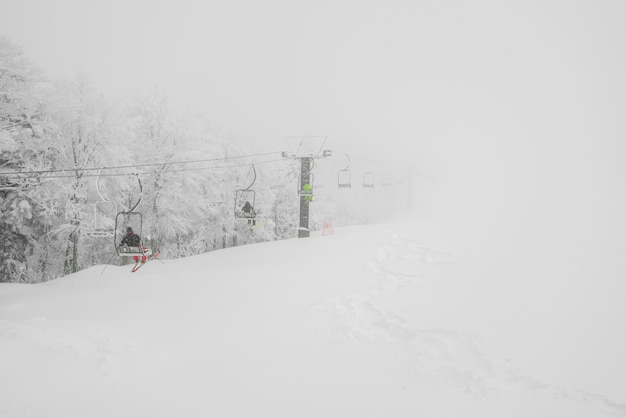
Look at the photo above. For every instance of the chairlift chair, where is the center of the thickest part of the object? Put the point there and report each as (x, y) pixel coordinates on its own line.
(134, 220)
(103, 225)
(368, 180)
(386, 179)
(244, 201)
(344, 179)
(243, 197)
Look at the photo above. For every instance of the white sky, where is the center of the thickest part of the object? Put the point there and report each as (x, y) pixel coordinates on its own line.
(381, 74)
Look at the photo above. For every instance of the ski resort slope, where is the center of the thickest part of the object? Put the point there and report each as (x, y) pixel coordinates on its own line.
(373, 321)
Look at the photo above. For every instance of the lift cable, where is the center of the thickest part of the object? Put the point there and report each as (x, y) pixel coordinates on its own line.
(154, 172)
(63, 170)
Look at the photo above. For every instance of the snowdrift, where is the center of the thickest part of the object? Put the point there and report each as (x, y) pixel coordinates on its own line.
(369, 322)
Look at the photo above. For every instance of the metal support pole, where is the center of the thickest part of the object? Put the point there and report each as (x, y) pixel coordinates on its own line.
(306, 155)
(305, 197)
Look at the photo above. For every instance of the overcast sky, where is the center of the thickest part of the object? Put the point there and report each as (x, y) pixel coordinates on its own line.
(378, 74)
(464, 83)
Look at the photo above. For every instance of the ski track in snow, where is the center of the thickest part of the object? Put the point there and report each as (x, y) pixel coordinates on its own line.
(449, 356)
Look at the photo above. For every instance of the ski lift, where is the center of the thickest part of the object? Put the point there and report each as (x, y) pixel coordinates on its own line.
(133, 220)
(103, 225)
(368, 180)
(244, 202)
(386, 179)
(344, 180)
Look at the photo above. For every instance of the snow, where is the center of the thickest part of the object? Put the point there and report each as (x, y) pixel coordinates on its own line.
(396, 319)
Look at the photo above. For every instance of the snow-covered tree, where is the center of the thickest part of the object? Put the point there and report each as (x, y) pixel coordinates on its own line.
(285, 206)
(157, 142)
(82, 131)
(66, 151)
(21, 144)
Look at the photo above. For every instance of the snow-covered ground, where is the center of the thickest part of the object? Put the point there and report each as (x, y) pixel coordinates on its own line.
(396, 320)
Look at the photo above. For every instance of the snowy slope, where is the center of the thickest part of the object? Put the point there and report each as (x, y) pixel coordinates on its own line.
(373, 321)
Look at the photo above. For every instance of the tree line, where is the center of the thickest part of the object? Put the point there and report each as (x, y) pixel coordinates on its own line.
(46, 214)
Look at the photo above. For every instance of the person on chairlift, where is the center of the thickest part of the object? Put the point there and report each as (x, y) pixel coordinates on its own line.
(133, 240)
(248, 209)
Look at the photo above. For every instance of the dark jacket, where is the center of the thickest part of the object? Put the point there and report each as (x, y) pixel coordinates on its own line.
(247, 208)
(131, 239)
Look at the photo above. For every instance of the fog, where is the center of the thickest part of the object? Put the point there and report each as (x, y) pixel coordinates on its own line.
(510, 113)
(375, 77)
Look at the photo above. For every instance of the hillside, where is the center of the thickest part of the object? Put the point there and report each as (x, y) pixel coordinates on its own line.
(386, 320)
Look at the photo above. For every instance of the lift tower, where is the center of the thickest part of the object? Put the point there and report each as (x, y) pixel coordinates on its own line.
(306, 150)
